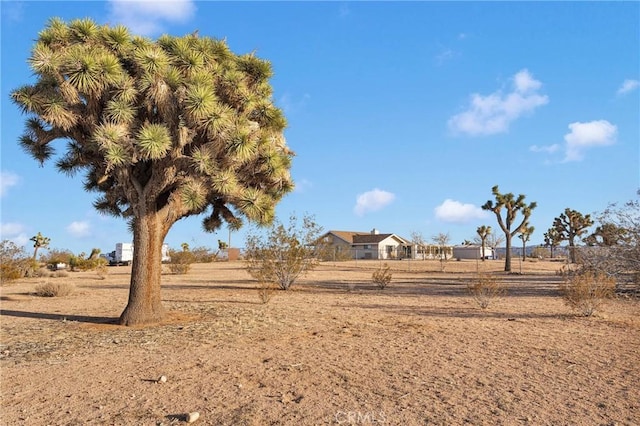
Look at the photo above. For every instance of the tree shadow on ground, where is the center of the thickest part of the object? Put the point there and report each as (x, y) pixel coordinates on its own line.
(59, 317)
(448, 312)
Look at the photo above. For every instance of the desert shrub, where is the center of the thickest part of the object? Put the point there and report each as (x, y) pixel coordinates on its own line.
(586, 291)
(56, 256)
(203, 255)
(382, 276)
(266, 291)
(54, 289)
(484, 289)
(284, 253)
(181, 260)
(14, 262)
(102, 270)
(81, 263)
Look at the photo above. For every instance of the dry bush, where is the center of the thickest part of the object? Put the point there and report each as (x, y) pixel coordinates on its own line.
(14, 263)
(10, 272)
(586, 291)
(382, 276)
(101, 270)
(181, 261)
(484, 289)
(266, 291)
(54, 289)
(283, 253)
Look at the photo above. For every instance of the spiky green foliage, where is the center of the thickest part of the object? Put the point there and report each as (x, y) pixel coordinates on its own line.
(156, 114)
(569, 225)
(483, 232)
(39, 241)
(161, 129)
(512, 207)
(552, 239)
(525, 235)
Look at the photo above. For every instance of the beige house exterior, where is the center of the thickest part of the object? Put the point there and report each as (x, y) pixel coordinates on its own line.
(368, 245)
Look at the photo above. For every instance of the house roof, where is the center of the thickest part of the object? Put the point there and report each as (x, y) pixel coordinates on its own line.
(363, 237)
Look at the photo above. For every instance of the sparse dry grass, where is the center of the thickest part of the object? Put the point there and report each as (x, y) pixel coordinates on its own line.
(485, 289)
(54, 289)
(587, 291)
(419, 352)
(382, 276)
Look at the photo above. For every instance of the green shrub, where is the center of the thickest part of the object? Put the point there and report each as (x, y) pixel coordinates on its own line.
(80, 263)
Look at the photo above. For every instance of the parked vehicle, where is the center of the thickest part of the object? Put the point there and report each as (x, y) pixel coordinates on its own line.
(123, 254)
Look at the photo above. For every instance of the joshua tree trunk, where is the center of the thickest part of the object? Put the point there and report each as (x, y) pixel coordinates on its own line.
(507, 257)
(145, 304)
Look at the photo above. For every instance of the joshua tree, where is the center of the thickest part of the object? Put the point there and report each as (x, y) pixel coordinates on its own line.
(512, 206)
(525, 235)
(572, 224)
(552, 239)
(483, 232)
(39, 241)
(163, 130)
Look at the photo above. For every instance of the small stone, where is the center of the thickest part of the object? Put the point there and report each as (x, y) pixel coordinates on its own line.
(162, 379)
(192, 417)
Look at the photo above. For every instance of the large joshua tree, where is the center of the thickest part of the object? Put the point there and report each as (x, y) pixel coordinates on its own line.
(163, 129)
(512, 206)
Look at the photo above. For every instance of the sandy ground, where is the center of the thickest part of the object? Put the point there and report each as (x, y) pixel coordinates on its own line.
(332, 350)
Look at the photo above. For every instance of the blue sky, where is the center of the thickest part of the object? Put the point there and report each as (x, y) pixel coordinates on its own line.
(403, 115)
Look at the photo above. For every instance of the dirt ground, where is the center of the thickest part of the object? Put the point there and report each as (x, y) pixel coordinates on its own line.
(334, 349)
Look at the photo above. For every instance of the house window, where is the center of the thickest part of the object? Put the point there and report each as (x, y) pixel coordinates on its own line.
(389, 249)
(367, 246)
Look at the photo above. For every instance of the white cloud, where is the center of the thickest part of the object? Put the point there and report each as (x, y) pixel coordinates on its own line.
(303, 185)
(79, 229)
(14, 232)
(491, 114)
(7, 180)
(457, 212)
(148, 17)
(583, 136)
(10, 230)
(290, 105)
(550, 149)
(628, 86)
(372, 201)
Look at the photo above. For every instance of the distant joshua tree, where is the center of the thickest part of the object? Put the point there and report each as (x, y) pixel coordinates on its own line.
(39, 241)
(483, 232)
(572, 224)
(525, 235)
(512, 206)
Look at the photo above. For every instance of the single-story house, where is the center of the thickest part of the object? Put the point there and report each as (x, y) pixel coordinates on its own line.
(472, 252)
(368, 245)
